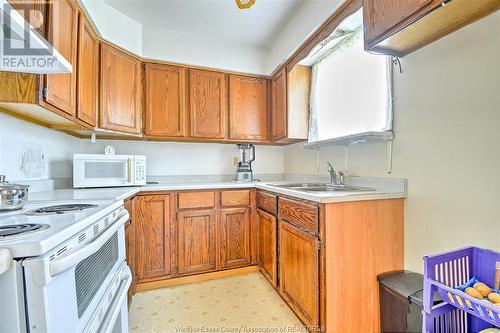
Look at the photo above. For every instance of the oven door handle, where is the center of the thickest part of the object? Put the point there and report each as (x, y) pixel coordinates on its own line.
(60, 265)
(115, 307)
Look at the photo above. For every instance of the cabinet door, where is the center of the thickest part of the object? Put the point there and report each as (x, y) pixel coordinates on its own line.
(195, 241)
(33, 11)
(235, 237)
(279, 105)
(88, 53)
(153, 236)
(207, 104)
(130, 253)
(299, 272)
(130, 248)
(266, 257)
(165, 101)
(121, 91)
(60, 89)
(247, 108)
(382, 15)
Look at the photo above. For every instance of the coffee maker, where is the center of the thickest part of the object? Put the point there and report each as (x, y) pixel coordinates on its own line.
(247, 156)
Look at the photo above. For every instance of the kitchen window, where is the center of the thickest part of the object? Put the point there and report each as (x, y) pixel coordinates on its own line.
(351, 91)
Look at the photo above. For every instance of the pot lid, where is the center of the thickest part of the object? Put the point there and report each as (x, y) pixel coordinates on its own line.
(6, 185)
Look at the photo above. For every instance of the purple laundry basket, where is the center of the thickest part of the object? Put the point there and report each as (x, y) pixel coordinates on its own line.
(459, 312)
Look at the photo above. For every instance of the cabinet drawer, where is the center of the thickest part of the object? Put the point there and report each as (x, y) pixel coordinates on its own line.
(298, 213)
(188, 200)
(235, 198)
(266, 202)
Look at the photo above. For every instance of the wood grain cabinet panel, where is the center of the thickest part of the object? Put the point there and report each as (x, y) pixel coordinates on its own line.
(267, 202)
(153, 236)
(382, 15)
(234, 237)
(207, 104)
(165, 101)
(33, 11)
(235, 198)
(299, 272)
(279, 105)
(398, 28)
(196, 199)
(88, 66)
(196, 241)
(248, 108)
(266, 256)
(300, 214)
(130, 254)
(60, 89)
(120, 91)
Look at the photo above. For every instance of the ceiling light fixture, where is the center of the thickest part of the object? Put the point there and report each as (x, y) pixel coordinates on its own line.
(245, 4)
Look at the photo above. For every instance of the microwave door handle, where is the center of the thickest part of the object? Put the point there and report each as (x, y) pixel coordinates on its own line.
(130, 171)
(115, 307)
(60, 265)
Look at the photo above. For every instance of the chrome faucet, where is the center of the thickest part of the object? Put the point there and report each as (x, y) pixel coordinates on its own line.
(333, 173)
(335, 179)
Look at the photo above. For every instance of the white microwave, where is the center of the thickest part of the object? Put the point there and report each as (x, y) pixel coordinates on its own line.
(100, 170)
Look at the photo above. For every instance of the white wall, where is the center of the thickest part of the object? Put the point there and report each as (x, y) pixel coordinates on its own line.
(16, 136)
(190, 49)
(115, 26)
(178, 158)
(447, 143)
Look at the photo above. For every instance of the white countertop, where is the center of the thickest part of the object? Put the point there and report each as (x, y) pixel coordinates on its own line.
(384, 189)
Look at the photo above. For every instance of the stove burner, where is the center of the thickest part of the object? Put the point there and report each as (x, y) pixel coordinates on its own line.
(60, 209)
(18, 229)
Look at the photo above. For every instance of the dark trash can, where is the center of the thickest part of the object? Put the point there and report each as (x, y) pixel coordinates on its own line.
(401, 299)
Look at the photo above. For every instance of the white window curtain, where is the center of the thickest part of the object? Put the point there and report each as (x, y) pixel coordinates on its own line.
(351, 93)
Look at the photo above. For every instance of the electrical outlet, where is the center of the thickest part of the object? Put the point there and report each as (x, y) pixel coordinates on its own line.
(235, 161)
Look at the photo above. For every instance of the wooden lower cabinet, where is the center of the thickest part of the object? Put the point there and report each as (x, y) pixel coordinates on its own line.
(266, 257)
(234, 231)
(153, 231)
(299, 272)
(130, 249)
(196, 241)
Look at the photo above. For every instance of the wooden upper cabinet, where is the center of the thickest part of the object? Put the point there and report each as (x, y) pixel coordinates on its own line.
(267, 247)
(248, 118)
(60, 89)
(235, 237)
(196, 241)
(165, 114)
(382, 15)
(290, 104)
(279, 105)
(398, 28)
(299, 272)
(120, 91)
(152, 222)
(207, 100)
(88, 66)
(33, 11)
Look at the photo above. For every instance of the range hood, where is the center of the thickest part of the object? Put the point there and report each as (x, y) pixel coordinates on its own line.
(23, 49)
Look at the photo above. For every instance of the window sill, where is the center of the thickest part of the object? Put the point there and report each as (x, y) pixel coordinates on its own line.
(353, 139)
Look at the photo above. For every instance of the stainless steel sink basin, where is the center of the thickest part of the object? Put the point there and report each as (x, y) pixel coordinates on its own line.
(294, 185)
(319, 187)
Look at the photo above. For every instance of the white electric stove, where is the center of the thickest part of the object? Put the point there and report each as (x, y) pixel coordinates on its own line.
(67, 268)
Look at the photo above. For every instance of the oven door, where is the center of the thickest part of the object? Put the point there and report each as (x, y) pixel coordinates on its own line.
(102, 170)
(62, 294)
(111, 315)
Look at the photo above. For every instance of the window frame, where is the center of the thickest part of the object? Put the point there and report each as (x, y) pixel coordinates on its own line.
(386, 135)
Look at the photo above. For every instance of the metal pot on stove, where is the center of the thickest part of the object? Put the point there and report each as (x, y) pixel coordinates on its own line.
(12, 196)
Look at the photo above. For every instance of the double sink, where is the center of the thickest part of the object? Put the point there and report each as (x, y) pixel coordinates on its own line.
(323, 187)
